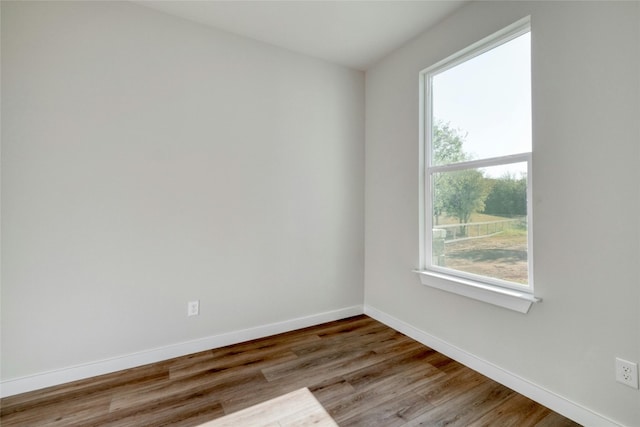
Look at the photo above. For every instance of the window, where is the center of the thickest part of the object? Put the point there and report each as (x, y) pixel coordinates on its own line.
(476, 132)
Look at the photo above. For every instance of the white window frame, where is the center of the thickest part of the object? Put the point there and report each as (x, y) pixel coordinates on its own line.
(491, 290)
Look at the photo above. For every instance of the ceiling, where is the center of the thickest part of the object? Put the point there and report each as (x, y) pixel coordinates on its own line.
(355, 34)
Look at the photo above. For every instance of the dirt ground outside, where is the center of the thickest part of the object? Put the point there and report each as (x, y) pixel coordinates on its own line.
(500, 256)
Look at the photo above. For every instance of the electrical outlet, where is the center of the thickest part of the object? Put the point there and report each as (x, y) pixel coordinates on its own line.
(193, 308)
(627, 372)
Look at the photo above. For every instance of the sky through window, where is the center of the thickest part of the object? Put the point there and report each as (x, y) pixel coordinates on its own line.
(488, 98)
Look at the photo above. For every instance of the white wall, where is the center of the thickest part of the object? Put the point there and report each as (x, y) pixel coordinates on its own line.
(148, 161)
(586, 99)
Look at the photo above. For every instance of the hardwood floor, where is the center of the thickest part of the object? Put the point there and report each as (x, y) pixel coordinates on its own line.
(361, 371)
(299, 408)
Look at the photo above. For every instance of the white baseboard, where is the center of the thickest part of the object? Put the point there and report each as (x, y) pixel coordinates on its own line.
(87, 370)
(545, 397)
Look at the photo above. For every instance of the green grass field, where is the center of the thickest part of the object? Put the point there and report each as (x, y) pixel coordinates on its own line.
(501, 253)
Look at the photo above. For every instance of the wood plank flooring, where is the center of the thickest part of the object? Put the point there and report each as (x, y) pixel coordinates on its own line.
(361, 371)
(296, 409)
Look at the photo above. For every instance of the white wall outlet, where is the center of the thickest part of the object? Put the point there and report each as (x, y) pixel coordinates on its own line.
(193, 308)
(627, 372)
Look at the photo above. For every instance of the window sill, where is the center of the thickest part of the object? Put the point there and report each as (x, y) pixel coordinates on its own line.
(502, 297)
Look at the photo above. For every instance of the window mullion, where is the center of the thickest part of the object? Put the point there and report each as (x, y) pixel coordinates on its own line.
(481, 163)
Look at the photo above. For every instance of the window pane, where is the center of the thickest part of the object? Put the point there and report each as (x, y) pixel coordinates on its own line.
(486, 101)
(480, 221)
